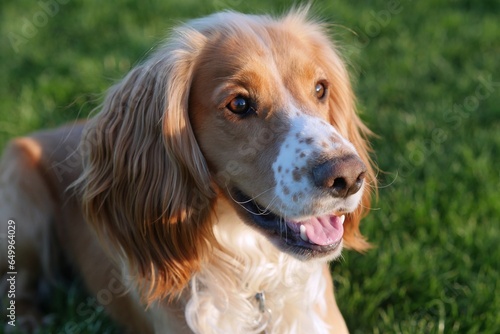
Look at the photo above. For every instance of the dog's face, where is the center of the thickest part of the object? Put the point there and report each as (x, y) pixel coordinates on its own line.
(262, 106)
(259, 108)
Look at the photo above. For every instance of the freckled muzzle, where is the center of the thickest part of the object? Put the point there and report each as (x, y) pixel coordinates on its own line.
(318, 178)
(316, 171)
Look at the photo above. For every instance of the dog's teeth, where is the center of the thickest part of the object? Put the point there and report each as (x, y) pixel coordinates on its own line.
(303, 234)
(342, 219)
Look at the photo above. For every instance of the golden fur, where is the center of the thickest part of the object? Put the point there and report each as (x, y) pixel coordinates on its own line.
(160, 162)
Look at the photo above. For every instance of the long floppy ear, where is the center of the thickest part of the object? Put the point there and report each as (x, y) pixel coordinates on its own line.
(145, 186)
(344, 117)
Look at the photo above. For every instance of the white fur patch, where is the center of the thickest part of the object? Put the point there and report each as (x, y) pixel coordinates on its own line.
(309, 139)
(223, 293)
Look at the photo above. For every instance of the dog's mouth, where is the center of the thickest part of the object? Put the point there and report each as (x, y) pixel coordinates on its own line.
(312, 236)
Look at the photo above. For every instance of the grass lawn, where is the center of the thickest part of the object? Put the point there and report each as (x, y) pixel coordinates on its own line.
(427, 75)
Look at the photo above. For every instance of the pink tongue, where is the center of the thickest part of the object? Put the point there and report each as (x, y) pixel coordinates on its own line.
(323, 231)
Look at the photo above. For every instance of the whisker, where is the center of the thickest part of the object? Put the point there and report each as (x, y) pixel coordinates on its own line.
(240, 203)
(270, 203)
(250, 199)
(390, 183)
(370, 208)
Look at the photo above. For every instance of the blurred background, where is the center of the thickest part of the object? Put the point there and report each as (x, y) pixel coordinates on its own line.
(427, 77)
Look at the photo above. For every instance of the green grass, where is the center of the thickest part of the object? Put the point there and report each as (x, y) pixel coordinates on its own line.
(420, 76)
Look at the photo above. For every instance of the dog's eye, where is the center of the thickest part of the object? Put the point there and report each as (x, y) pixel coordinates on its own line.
(239, 105)
(320, 90)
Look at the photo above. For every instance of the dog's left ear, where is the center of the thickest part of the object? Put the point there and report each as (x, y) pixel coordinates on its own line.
(344, 117)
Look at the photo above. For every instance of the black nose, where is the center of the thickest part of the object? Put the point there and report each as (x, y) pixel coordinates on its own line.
(343, 176)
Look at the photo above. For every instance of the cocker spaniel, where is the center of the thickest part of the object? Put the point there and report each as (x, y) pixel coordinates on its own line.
(210, 191)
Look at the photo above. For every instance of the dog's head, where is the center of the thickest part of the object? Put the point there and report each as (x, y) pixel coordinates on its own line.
(255, 109)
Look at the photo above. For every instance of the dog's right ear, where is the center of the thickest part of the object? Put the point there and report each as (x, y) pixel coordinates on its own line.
(145, 186)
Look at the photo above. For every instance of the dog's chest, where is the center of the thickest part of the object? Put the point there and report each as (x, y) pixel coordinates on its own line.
(251, 287)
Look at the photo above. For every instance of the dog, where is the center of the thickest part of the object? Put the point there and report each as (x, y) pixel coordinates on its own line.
(210, 191)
